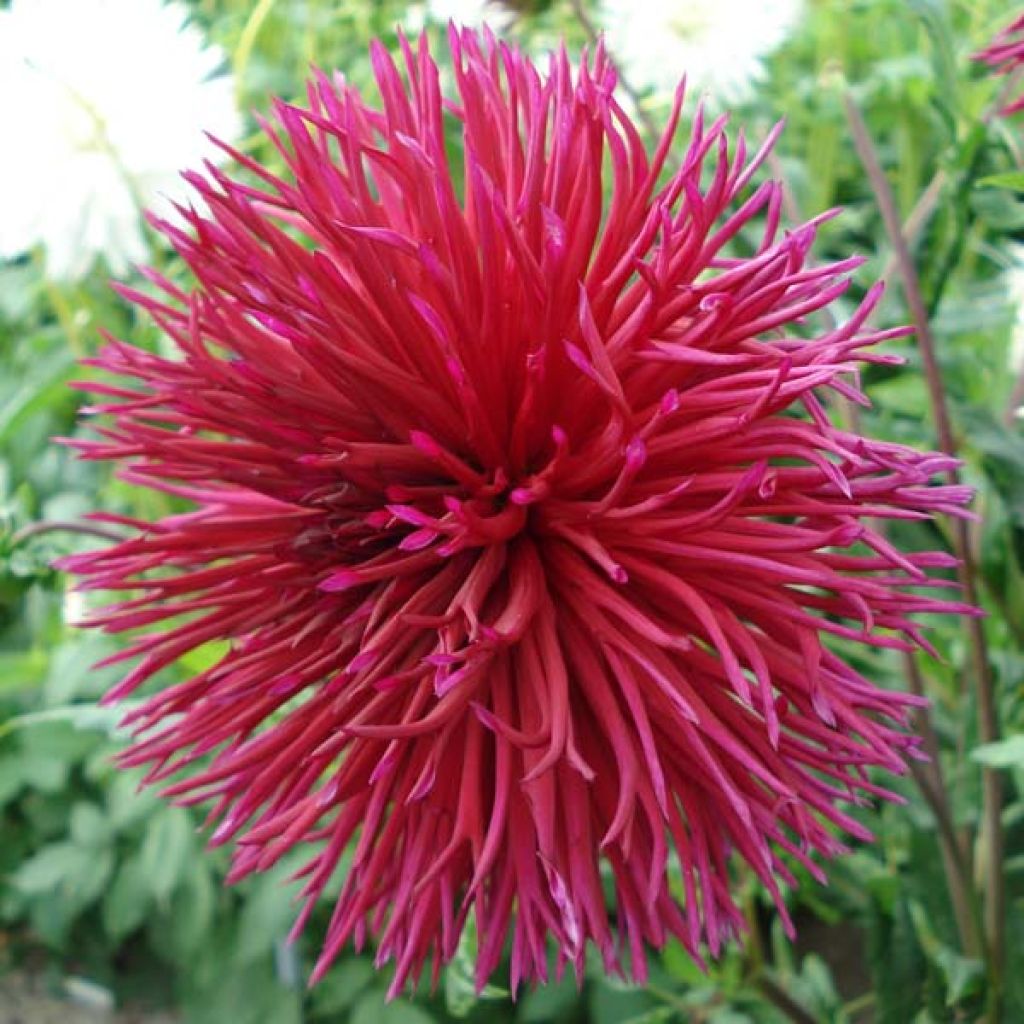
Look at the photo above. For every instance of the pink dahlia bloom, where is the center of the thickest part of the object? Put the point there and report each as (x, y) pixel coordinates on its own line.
(517, 505)
(1005, 54)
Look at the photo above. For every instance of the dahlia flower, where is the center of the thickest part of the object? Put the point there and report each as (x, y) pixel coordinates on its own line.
(1005, 55)
(111, 100)
(719, 44)
(519, 518)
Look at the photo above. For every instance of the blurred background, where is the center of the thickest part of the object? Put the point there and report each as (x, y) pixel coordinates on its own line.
(110, 910)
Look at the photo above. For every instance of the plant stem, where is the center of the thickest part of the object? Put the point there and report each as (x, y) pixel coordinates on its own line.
(246, 41)
(988, 722)
(862, 1002)
(918, 218)
(63, 526)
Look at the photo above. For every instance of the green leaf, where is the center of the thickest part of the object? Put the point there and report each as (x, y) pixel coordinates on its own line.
(41, 771)
(64, 871)
(201, 658)
(72, 677)
(165, 851)
(341, 987)
(12, 780)
(247, 996)
(551, 1002)
(611, 1002)
(461, 996)
(126, 804)
(964, 976)
(89, 826)
(680, 964)
(42, 388)
(45, 871)
(1010, 179)
(1005, 753)
(727, 1015)
(659, 1015)
(897, 966)
(267, 914)
(372, 1009)
(127, 900)
(80, 716)
(192, 911)
(23, 670)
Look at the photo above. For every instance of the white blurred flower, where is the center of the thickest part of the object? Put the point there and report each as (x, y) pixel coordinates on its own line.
(1015, 295)
(718, 44)
(74, 607)
(470, 13)
(104, 103)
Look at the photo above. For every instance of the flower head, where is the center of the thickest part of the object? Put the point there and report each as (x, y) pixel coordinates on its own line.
(518, 508)
(112, 100)
(718, 44)
(1005, 54)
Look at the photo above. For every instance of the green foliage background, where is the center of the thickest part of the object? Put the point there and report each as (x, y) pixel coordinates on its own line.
(99, 881)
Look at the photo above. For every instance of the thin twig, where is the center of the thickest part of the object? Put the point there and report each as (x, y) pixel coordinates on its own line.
(594, 35)
(63, 526)
(988, 722)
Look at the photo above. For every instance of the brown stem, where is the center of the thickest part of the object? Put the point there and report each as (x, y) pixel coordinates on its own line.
(594, 34)
(956, 857)
(1016, 400)
(63, 526)
(988, 722)
(918, 219)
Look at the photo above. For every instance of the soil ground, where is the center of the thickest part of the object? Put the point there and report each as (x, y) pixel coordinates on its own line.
(25, 999)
